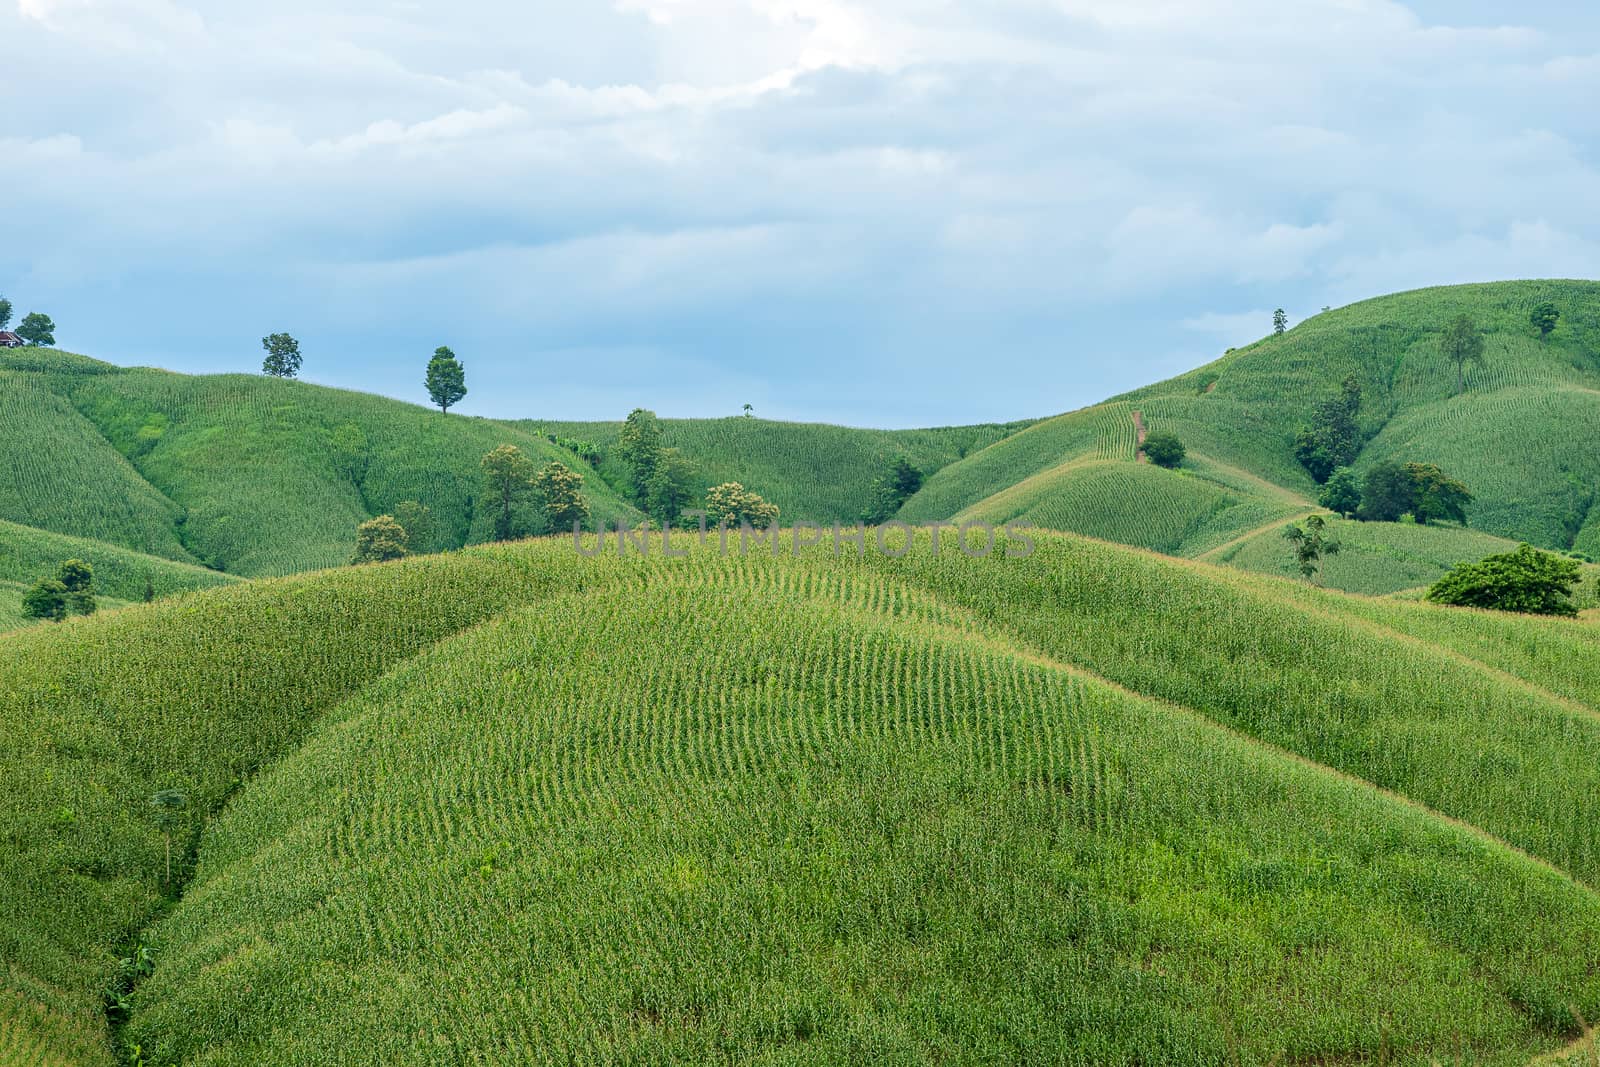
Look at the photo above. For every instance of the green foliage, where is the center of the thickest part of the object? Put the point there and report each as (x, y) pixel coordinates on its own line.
(381, 539)
(447, 379)
(1544, 317)
(77, 578)
(1164, 449)
(5, 313)
(509, 476)
(1280, 321)
(1342, 493)
(37, 328)
(734, 505)
(417, 519)
(894, 489)
(1461, 344)
(47, 599)
(560, 494)
(1386, 492)
(283, 356)
(1436, 495)
(350, 450)
(1527, 581)
(639, 448)
(1311, 542)
(1333, 439)
(670, 487)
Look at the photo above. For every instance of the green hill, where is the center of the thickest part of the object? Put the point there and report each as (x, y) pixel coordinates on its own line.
(515, 805)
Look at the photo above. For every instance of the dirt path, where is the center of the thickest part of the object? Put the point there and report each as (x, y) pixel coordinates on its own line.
(1138, 429)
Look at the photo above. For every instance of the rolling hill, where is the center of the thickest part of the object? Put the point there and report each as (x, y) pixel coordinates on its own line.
(513, 804)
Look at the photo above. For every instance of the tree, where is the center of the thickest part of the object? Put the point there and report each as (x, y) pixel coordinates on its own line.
(639, 445)
(1544, 318)
(1280, 321)
(1311, 542)
(749, 412)
(892, 490)
(1164, 449)
(447, 378)
(46, 600)
(670, 487)
(5, 313)
(1436, 495)
(1527, 580)
(417, 521)
(1333, 439)
(735, 505)
(381, 539)
(77, 578)
(37, 329)
(1342, 493)
(1462, 344)
(283, 356)
(1385, 493)
(510, 476)
(560, 490)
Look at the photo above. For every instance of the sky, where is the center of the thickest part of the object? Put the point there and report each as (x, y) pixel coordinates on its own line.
(892, 213)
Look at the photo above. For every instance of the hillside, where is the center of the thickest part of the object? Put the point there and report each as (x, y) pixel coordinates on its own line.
(512, 804)
(1511, 438)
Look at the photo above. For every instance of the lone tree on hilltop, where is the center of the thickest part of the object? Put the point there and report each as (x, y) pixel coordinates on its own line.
(380, 539)
(283, 356)
(1462, 344)
(1164, 450)
(1311, 543)
(1544, 318)
(36, 328)
(1280, 321)
(447, 378)
(1527, 580)
(510, 476)
(5, 313)
(560, 490)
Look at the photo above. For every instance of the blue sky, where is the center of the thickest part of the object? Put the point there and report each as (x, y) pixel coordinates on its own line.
(892, 213)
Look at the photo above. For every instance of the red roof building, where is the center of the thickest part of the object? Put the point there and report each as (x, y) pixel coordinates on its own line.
(10, 340)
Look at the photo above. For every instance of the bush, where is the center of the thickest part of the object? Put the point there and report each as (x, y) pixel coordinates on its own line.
(1164, 450)
(733, 504)
(1527, 581)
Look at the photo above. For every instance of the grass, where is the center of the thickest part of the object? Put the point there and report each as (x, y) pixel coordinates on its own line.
(26, 555)
(515, 805)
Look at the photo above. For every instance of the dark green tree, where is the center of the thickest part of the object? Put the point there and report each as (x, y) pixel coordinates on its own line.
(1527, 581)
(381, 539)
(447, 378)
(1333, 439)
(77, 577)
(639, 446)
(1164, 449)
(283, 356)
(1386, 492)
(37, 329)
(1311, 543)
(1436, 495)
(5, 313)
(47, 599)
(892, 490)
(1544, 318)
(1342, 494)
(418, 522)
(149, 588)
(670, 488)
(510, 477)
(1462, 344)
(560, 492)
(1280, 321)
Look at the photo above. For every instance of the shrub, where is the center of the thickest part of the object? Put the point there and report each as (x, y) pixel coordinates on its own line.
(733, 504)
(1527, 581)
(380, 540)
(1164, 450)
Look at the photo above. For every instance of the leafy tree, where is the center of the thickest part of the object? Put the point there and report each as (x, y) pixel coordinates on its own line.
(1333, 439)
(381, 539)
(1280, 321)
(1544, 318)
(283, 356)
(749, 412)
(670, 486)
(447, 378)
(1342, 493)
(1527, 580)
(47, 599)
(510, 476)
(639, 445)
(1436, 495)
(733, 504)
(77, 578)
(37, 329)
(1164, 449)
(560, 489)
(1462, 344)
(1311, 543)
(5, 313)
(418, 522)
(893, 490)
(1386, 492)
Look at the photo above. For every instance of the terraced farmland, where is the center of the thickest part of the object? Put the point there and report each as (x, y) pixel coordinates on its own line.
(516, 805)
